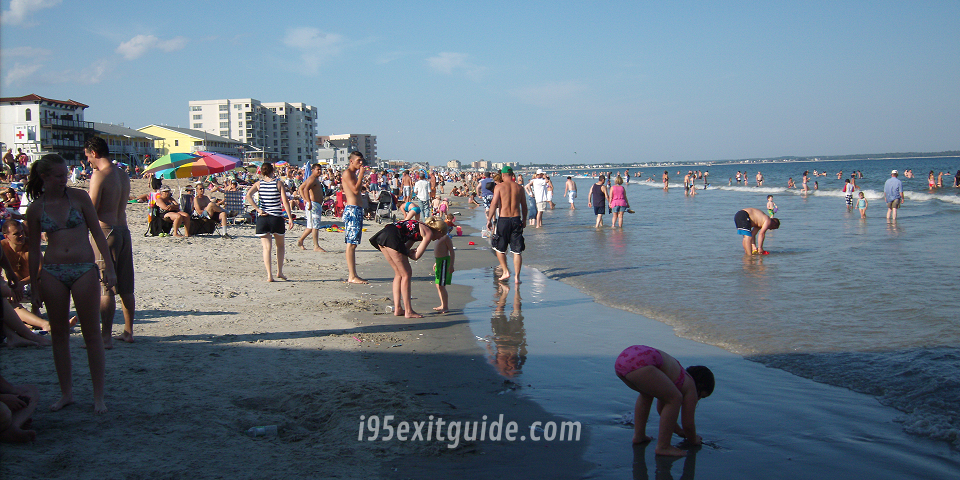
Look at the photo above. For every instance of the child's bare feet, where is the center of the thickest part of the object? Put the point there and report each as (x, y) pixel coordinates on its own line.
(637, 439)
(319, 249)
(64, 401)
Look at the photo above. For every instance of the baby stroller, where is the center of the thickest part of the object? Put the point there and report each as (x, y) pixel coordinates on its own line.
(385, 207)
(327, 209)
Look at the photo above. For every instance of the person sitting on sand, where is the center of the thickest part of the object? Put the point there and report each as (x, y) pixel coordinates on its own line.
(17, 333)
(170, 209)
(656, 375)
(17, 403)
(395, 241)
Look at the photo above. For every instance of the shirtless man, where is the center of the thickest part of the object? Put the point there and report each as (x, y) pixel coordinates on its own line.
(509, 198)
(666, 181)
(753, 224)
(311, 190)
(406, 186)
(570, 191)
(109, 191)
(351, 180)
(203, 206)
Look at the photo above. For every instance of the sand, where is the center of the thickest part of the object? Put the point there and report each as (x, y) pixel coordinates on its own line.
(219, 350)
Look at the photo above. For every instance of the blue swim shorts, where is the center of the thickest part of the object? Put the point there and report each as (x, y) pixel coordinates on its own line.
(352, 224)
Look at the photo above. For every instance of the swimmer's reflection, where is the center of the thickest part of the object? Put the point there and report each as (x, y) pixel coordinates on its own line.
(508, 350)
(663, 464)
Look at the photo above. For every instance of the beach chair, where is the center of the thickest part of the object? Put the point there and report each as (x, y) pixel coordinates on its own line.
(236, 210)
(199, 225)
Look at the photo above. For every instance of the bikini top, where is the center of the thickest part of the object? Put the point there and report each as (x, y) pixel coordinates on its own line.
(74, 219)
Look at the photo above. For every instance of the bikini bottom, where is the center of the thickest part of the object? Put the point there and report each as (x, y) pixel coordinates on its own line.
(68, 273)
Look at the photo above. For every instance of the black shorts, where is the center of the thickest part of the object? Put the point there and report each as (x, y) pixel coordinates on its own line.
(599, 209)
(509, 235)
(742, 221)
(270, 224)
(389, 237)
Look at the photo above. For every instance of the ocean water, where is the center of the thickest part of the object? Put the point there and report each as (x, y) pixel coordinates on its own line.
(864, 304)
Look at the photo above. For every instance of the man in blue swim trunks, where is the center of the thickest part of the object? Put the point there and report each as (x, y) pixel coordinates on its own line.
(353, 213)
(753, 225)
(312, 193)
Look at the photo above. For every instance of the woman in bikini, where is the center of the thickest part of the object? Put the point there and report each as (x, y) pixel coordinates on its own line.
(68, 218)
(395, 241)
(654, 374)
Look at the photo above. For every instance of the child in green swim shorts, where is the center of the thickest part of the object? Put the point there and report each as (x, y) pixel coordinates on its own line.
(443, 269)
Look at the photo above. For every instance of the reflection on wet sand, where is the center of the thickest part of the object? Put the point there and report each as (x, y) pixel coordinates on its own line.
(663, 464)
(507, 350)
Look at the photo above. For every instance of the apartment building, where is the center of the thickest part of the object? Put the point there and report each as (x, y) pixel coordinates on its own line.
(344, 145)
(39, 125)
(277, 131)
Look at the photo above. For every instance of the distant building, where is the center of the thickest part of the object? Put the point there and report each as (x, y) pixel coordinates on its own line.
(186, 140)
(126, 144)
(482, 165)
(277, 131)
(43, 125)
(453, 164)
(345, 144)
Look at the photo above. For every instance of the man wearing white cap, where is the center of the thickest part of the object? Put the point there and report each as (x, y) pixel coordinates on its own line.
(539, 187)
(893, 193)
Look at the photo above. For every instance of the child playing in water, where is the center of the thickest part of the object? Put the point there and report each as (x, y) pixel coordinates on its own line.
(771, 207)
(862, 205)
(655, 374)
(443, 268)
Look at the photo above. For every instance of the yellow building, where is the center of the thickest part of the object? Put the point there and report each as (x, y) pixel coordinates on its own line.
(185, 140)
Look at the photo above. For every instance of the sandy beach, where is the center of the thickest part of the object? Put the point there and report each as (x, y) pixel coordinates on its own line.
(219, 350)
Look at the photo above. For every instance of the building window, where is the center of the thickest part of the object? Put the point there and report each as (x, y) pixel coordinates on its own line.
(196, 108)
(224, 124)
(240, 124)
(237, 106)
(198, 117)
(224, 107)
(224, 134)
(197, 125)
(176, 143)
(27, 115)
(224, 116)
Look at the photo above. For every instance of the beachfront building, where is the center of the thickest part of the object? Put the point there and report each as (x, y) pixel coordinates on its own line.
(482, 165)
(276, 131)
(185, 140)
(453, 164)
(344, 145)
(40, 125)
(128, 145)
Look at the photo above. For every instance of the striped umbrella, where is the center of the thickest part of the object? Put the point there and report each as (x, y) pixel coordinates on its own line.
(206, 163)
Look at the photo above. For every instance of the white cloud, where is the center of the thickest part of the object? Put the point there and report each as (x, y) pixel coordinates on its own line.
(20, 74)
(315, 46)
(451, 62)
(20, 11)
(138, 46)
(551, 94)
(29, 52)
(34, 75)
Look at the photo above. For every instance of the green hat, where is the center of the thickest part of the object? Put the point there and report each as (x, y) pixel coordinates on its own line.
(507, 170)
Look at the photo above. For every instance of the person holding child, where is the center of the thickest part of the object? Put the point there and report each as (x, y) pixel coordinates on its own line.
(395, 241)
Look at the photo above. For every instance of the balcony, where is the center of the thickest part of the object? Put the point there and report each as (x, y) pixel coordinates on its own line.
(65, 124)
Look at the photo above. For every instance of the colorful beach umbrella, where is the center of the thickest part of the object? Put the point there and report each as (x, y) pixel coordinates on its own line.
(170, 160)
(204, 165)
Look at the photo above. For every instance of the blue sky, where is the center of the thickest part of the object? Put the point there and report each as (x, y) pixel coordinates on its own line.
(542, 82)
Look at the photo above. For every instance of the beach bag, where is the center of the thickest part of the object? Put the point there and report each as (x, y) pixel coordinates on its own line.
(157, 224)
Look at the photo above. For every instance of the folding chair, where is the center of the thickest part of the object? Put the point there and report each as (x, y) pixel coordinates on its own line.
(233, 203)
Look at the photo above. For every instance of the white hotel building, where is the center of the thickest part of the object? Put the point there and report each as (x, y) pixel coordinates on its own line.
(276, 131)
